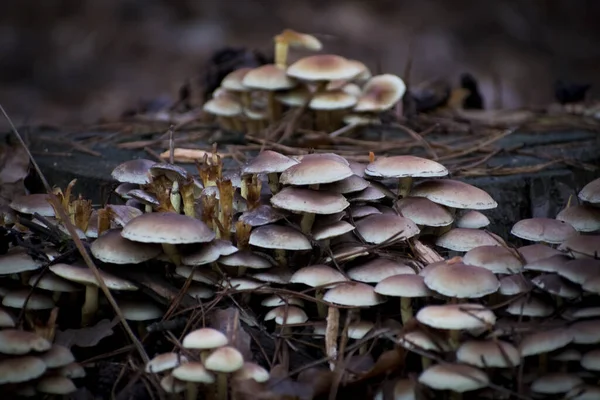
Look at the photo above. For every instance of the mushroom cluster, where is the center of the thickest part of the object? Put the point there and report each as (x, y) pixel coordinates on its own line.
(334, 89)
(479, 313)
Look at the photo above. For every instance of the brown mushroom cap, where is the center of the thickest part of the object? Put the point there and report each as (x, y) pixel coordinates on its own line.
(472, 219)
(545, 341)
(317, 275)
(262, 215)
(164, 362)
(488, 353)
(513, 284)
(323, 67)
(33, 203)
(268, 77)
(268, 162)
(204, 253)
(193, 372)
(287, 315)
(498, 259)
(582, 217)
(452, 193)
(334, 229)
(425, 212)
(309, 201)
(140, 310)
(204, 338)
(233, 80)
(555, 383)
(378, 228)
(85, 276)
(381, 93)
(133, 171)
(16, 260)
(405, 285)
(462, 281)
(315, 171)
(456, 316)
(455, 377)
(405, 166)
(353, 294)
(57, 356)
(591, 192)
(543, 230)
(586, 332)
(113, 248)
(224, 359)
(331, 100)
(21, 369)
(166, 227)
(531, 306)
(464, 239)
(537, 251)
(550, 264)
(37, 300)
(224, 106)
(14, 341)
(246, 259)
(378, 269)
(279, 237)
(582, 246)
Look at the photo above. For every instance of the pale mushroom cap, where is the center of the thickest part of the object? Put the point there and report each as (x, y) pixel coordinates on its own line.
(363, 210)
(498, 259)
(322, 232)
(545, 341)
(164, 362)
(557, 286)
(551, 264)
(17, 260)
(369, 194)
(537, 251)
(423, 340)
(172, 385)
(37, 300)
(268, 77)
(164, 227)
(251, 370)
(199, 291)
(287, 315)
(33, 203)
(530, 306)
(452, 193)
(279, 237)
(57, 356)
(14, 341)
(353, 294)
(6, 320)
(323, 67)
(309, 201)
(317, 275)
(568, 355)
(592, 285)
(193, 372)
(462, 281)
(274, 275)
(332, 100)
(298, 39)
(543, 230)
(582, 217)
(423, 211)
(488, 353)
(381, 93)
(276, 301)
(140, 310)
(513, 284)
(262, 215)
(378, 269)
(72, 370)
(405, 166)
(591, 360)
(464, 239)
(224, 359)
(582, 246)
(21, 369)
(225, 106)
(113, 248)
(133, 171)
(591, 192)
(268, 162)
(247, 259)
(403, 286)
(580, 271)
(204, 253)
(233, 80)
(351, 184)
(586, 332)
(85, 276)
(242, 283)
(472, 219)
(378, 228)
(315, 171)
(204, 338)
(456, 316)
(455, 377)
(554, 383)
(584, 392)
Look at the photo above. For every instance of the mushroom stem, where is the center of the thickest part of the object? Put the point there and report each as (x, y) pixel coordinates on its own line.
(91, 304)
(406, 309)
(191, 391)
(187, 198)
(272, 107)
(307, 222)
(172, 252)
(273, 182)
(455, 338)
(281, 257)
(221, 386)
(455, 395)
(321, 307)
(175, 197)
(404, 186)
(331, 334)
(425, 362)
(543, 362)
(148, 208)
(281, 51)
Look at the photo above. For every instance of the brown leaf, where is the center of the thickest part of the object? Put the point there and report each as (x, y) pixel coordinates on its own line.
(387, 362)
(228, 321)
(86, 337)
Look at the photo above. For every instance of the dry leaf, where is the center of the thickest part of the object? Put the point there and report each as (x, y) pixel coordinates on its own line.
(86, 337)
(228, 321)
(387, 362)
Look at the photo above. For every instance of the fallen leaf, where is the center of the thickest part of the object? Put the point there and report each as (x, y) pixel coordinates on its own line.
(387, 362)
(228, 321)
(86, 337)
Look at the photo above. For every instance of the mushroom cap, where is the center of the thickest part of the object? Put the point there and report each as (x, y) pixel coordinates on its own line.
(171, 385)
(253, 371)
(351, 184)
(193, 372)
(580, 271)
(378, 269)
(262, 215)
(488, 353)
(164, 362)
(202, 275)
(545, 341)
(204, 338)
(279, 237)
(455, 377)
(584, 392)
(140, 310)
(323, 67)
(6, 320)
(16, 260)
(591, 360)
(334, 229)
(456, 316)
(57, 356)
(405, 166)
(268, 77)
(203, 253)
(287, 315)
(268, 162)
(555, 383)
(233, 80)
(557, 286)
(381, 93)
(315, 171)
(317, 275)
(543, 230)
(332, 100)
(455, 194)
(37, 300)
(353, 294)
(113, 248)
(309, 201)
(462, 281)
(426, 340)
(538, 251)
(551, 264)
(513, 284)
(472, 219)
(18, 342)
(274, 275)
(85, 276)
(379, 228)
(464, 239)
(531, 306)
(21, 369)
(498, 259)
(582, 246)
(591, 192)
(296, 39)
(582, 217)
(245, 259)
(133, 171)
(586, 332)
(33, 203)
(423, 211)
(403, 286)
(224, 359)
(224, 106)
(278, 300)
(167, 227)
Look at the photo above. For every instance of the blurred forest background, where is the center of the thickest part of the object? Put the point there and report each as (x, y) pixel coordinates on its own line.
(77, 61)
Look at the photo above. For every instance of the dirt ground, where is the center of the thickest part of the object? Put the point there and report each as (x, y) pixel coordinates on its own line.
(75, 61)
